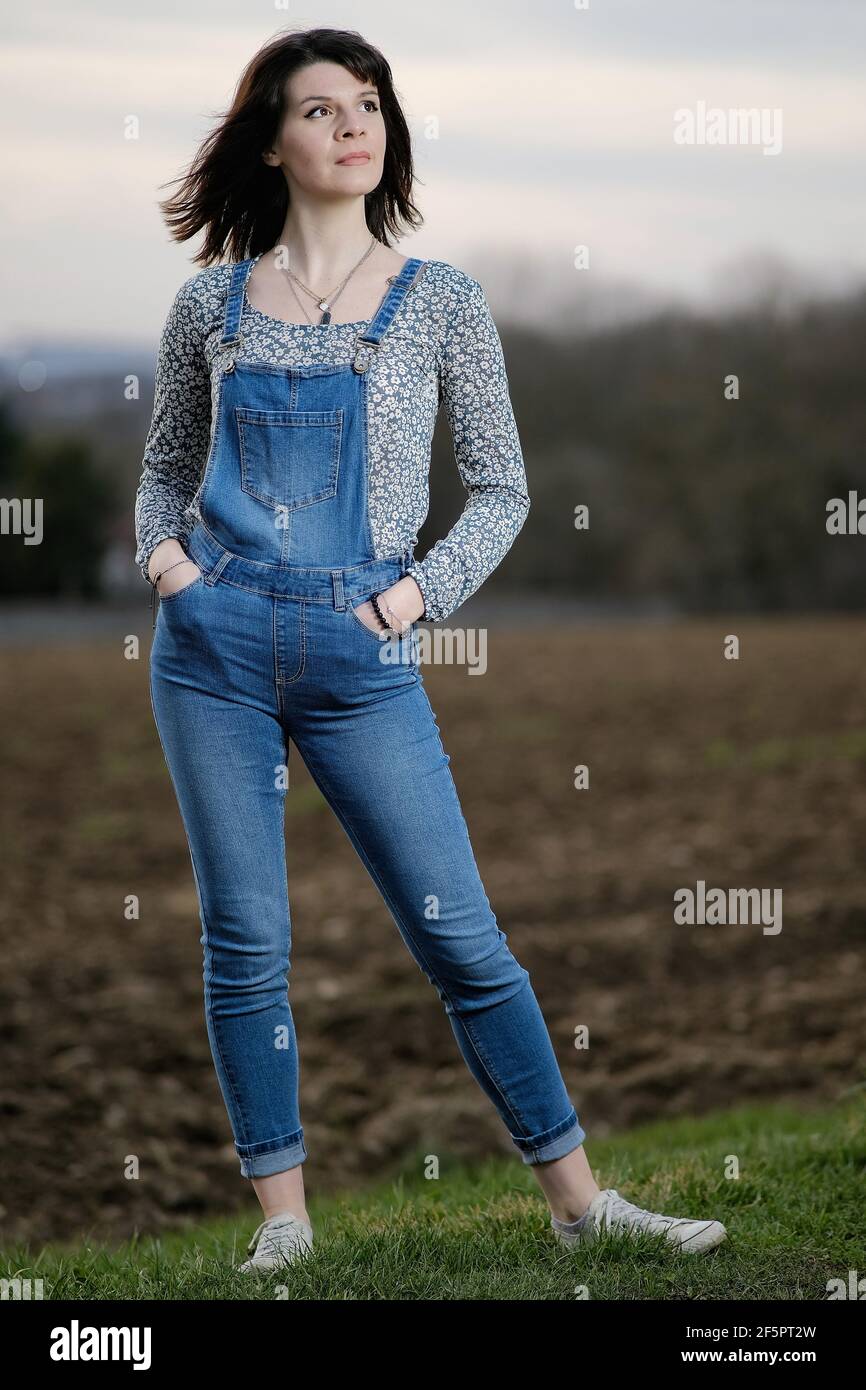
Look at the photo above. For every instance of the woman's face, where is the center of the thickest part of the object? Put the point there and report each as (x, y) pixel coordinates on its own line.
(330, 115)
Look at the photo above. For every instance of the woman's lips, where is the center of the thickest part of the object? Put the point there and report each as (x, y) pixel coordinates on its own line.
(355, 159)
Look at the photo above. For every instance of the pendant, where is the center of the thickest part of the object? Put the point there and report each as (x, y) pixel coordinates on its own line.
(326, 317)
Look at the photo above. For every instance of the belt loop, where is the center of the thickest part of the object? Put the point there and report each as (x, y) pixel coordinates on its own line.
(218, 568)
(339, 595)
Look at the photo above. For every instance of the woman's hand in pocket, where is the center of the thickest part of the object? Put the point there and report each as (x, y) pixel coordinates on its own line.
(177, 578)
(366, 614)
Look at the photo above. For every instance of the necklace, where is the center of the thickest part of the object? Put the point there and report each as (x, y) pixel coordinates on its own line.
(325, 302)
(301, 305)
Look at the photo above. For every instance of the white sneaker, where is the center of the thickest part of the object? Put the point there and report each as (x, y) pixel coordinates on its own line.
(284, 1239)
(609, 1211)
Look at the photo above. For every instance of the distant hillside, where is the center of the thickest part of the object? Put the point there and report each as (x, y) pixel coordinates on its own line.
(694, 499)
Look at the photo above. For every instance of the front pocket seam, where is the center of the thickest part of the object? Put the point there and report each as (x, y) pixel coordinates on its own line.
(179, 593)
(363, 626)
(387, 637)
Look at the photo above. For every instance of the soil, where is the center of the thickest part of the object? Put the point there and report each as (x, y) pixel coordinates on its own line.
(746, 773)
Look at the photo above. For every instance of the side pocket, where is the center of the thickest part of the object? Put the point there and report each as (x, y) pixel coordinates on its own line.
(356, 603)
(404, 641)
(179, 593)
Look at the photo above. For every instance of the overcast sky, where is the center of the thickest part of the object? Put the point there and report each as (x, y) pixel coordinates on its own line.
(555, 130)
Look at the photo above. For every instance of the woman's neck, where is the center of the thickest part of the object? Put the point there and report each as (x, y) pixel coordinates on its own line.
(321, 248)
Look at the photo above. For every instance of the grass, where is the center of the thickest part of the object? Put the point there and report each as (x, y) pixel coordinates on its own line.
(775, 753)
(788, 1184)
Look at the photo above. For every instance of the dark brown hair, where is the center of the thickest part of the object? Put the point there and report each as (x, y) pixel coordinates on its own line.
(240, 201)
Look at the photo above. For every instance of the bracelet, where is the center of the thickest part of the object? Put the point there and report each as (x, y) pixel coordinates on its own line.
(398, 631)
(157, 577)
(375, 602)
(402, 630)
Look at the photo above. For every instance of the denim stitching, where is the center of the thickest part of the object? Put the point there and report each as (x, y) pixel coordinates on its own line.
(335, 426)
(209, 952)
(264, 1146)
(278, 681)
(206, 477)
(380, 562)
(321, 782)
(179, 593)
(202, 907)
(290, 680)
(365, 438)
(350, 609)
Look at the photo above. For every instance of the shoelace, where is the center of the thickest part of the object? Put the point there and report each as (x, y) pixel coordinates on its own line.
(618, 1206)
(274, 1224)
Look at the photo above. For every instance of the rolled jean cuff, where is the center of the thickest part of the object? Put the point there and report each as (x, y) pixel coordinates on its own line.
(553, 1143)
(272, 1156)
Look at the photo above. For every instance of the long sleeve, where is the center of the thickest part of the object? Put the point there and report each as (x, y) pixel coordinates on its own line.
(179, 434)
(474, 389)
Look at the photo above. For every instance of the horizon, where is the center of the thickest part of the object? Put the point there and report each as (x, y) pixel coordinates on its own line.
(570, 114)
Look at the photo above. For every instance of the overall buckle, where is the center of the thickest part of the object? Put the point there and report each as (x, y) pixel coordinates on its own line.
(364, 353)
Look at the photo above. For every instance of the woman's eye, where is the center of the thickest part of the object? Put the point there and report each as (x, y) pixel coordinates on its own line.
(366, 102)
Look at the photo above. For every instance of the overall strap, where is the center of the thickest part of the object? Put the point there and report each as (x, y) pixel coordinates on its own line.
(367, 342)
(235, 301)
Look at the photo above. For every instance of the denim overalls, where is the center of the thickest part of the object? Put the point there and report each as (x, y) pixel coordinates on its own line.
(265, 646)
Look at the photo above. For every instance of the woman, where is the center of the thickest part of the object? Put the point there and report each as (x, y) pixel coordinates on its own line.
(285, 479)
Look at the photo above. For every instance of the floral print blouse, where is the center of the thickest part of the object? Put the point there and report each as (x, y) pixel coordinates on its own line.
(443, 347)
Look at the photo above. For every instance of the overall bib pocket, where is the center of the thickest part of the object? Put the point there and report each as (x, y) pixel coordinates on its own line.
(289, 458)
